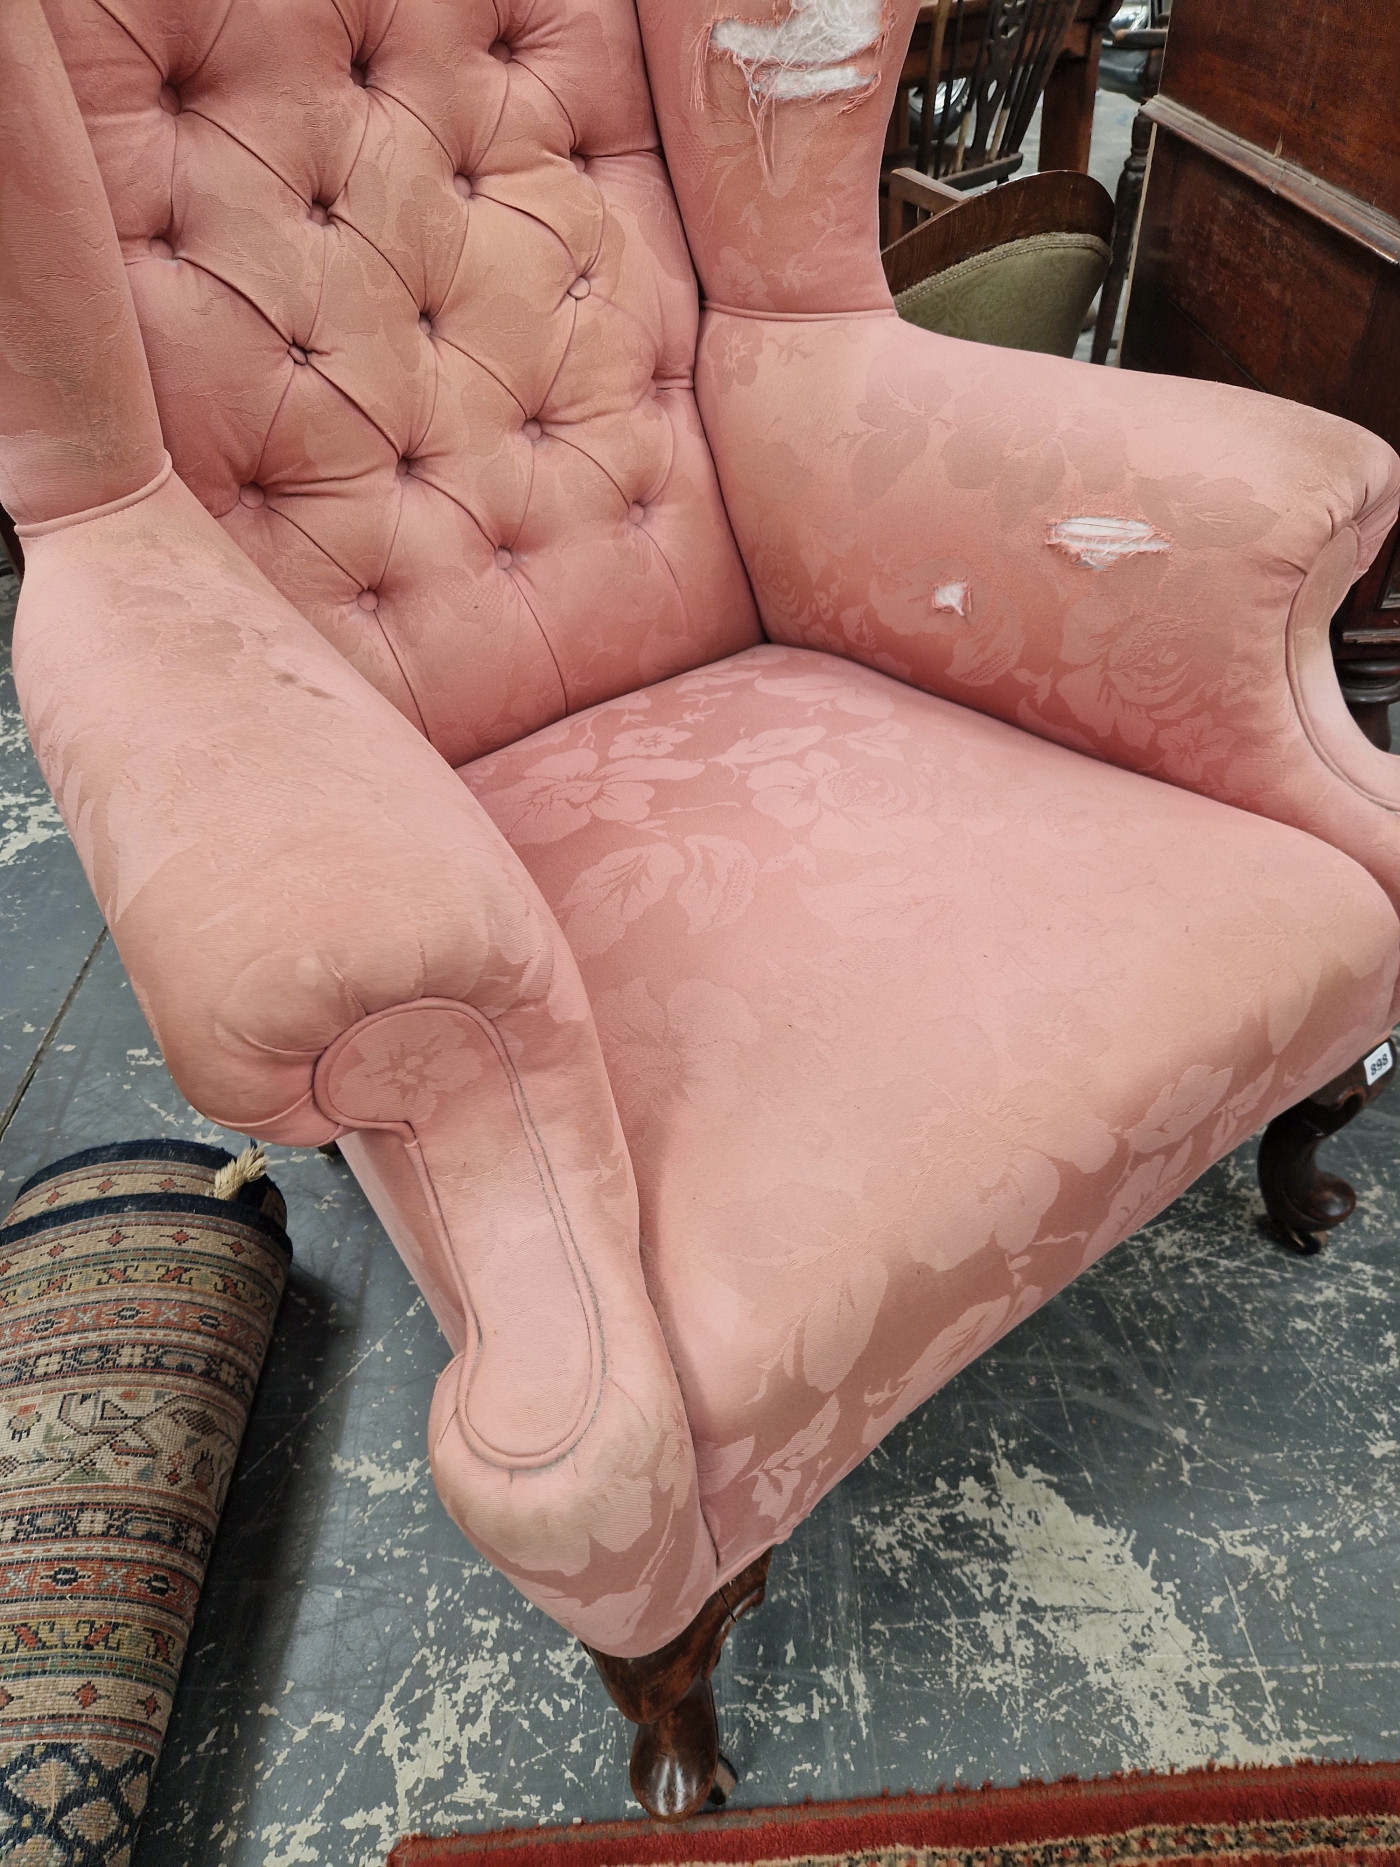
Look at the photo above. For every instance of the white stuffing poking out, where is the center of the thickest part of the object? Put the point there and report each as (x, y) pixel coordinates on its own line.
(805, 55)
(954, 597)
(1101, 543)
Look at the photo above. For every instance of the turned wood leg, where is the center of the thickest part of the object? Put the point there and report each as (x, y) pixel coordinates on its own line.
(1304, 1202)
(676, 1763)
(1125, 219)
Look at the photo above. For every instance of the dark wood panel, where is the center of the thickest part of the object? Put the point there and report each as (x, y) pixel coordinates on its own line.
(1285, 298)
(1373, 394)
(1345, 213)
(1159, 336)
(1315, 81)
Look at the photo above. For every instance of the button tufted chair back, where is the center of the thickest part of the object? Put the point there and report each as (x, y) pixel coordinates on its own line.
(421, 323)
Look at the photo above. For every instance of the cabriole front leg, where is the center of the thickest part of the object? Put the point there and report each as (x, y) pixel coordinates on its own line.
(676, 1763)
(1303, 1201)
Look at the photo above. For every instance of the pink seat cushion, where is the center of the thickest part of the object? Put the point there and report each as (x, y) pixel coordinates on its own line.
(910, 1016)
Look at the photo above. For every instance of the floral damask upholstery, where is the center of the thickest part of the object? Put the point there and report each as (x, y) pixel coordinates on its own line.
(909, 1016)
(772, 838)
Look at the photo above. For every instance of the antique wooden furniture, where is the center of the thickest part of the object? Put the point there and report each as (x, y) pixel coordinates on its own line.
(991, 60)
(1150, 38)
(770, 838)
(1017, 265)
(1269, 247)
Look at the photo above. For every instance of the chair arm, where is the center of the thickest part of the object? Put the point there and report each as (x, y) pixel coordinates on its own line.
(327, 935)
(925, 192)
(1141, 567)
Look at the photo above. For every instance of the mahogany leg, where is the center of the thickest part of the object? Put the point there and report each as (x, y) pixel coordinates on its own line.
(676, 1761)
(1303, 1202)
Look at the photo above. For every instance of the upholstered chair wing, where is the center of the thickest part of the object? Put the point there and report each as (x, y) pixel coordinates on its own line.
(771, 839)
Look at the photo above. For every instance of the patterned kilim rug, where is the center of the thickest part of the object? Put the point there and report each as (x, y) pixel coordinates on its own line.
(1304, 1815)
(138, 1288)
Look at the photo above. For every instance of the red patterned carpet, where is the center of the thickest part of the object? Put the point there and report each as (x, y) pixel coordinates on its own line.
(1306, 1814)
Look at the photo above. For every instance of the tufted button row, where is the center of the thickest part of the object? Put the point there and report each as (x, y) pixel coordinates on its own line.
(252, 495)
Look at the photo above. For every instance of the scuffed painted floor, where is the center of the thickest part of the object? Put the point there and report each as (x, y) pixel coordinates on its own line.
(1159, 1524)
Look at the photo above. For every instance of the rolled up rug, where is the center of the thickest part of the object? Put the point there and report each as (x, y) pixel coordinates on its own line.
(138, 1288)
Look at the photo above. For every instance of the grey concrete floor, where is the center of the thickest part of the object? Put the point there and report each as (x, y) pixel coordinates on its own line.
(1159, 1524)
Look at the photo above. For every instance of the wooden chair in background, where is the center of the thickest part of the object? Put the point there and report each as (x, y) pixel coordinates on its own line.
(972, 77)
(1017, 265)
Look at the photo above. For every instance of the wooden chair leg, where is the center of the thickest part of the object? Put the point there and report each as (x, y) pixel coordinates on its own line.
(676, 1763)
(1125, 220)
(1303, 1202)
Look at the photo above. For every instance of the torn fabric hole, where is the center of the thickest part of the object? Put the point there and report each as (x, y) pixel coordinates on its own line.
(808, 53)
(1101, 543)
(953, 597)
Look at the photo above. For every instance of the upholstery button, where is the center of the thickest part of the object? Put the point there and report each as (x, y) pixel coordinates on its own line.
(297, 353)
(359, 74)
(162, 249)
(532, 431)
(425, 324)
(320, 214)
(170, 100)
(580, 288)
(368, 599)
(404, 468)
(501, 51)
(251, 495)
(636, 513)
(463, 185)
(578, 163)
(504, 560)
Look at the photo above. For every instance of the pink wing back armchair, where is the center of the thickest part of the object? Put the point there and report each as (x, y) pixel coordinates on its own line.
(770, 838)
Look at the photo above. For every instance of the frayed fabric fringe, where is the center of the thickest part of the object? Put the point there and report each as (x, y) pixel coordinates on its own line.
(805, 55)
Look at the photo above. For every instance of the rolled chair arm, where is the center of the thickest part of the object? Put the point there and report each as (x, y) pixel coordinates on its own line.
(329, 937)
(1137, 566)
(1140, 567)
